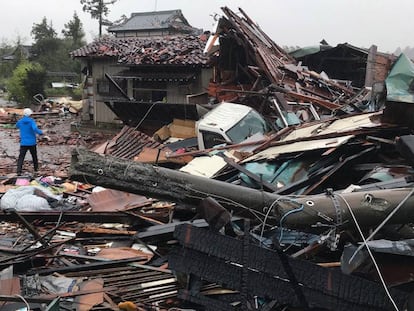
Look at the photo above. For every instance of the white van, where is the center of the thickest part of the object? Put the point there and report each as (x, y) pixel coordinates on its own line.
(229, 123)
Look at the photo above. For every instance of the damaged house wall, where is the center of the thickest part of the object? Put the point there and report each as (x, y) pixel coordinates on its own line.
(146, 68)
(101, 88)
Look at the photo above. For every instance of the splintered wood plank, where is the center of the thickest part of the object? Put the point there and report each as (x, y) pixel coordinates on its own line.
(97, 230)
(124, 253)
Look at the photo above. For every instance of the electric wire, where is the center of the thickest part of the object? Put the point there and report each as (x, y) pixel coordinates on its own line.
(146, 114)
(265, 219)
(369, 251)
(24, 300)
(299, 209)
(383, 223)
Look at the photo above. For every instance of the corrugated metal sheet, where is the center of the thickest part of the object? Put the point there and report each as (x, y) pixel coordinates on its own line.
(113, 200)
(129, 143)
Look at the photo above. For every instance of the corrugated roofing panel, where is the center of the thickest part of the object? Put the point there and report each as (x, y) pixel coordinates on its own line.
(114, 200)
(129, 142)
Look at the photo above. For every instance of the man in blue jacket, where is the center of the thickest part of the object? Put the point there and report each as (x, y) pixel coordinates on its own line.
(28, 130)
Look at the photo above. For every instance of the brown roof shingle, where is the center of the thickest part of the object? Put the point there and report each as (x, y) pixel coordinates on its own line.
(174, 50)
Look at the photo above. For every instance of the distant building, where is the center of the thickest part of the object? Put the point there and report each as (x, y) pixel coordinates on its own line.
(21, 52)
(150, 24)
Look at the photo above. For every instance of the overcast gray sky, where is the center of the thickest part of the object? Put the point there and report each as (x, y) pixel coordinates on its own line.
(387, 23)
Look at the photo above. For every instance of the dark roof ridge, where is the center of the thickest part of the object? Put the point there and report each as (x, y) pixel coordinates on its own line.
(156, 12)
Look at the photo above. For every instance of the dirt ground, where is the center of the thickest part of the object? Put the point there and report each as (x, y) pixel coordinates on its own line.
(61, 136)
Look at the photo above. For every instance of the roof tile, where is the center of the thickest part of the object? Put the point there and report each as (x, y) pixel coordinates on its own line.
(172, 50)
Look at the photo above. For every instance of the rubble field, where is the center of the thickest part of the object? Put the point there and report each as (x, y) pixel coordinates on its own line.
(292, 192)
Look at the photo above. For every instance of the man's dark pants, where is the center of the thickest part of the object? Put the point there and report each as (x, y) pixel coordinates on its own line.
(23, 151)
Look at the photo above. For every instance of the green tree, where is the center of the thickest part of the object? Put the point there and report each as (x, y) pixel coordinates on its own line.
(51, 52)
(28, 79)
(74, 31)
(46, 44)
(98, 10)
(43, 31)
(6, 67)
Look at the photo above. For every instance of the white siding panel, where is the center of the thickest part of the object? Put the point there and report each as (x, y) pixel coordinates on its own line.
(274, 152)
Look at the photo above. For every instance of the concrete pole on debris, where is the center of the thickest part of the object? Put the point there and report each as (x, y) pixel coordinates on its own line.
(369, 207)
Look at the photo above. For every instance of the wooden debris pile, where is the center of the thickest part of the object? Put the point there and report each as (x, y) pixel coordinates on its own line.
(250, 68)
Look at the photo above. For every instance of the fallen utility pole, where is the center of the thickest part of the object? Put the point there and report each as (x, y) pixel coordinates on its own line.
(327, 209)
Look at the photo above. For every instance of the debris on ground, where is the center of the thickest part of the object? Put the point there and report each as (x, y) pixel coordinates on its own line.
(294, 192)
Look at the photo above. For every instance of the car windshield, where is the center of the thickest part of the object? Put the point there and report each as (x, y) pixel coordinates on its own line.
(251, 124)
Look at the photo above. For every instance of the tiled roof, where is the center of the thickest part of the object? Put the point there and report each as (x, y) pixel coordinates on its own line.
(172, 50)
(153, 20)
